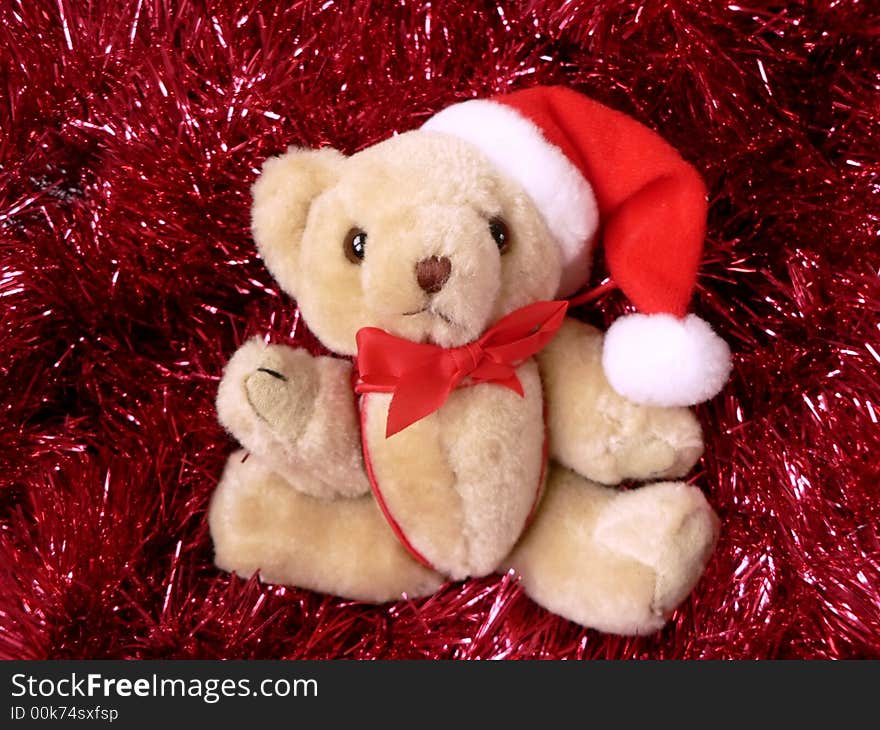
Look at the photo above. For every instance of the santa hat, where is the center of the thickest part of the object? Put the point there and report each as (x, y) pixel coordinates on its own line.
(597, 174)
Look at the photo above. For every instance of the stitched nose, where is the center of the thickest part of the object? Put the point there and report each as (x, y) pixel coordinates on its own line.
(433, 273)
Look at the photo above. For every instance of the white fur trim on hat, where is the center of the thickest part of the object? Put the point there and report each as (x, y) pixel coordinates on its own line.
(660, 360)
(516, 147)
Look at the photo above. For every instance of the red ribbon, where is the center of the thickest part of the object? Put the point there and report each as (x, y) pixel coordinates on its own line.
(421, 376)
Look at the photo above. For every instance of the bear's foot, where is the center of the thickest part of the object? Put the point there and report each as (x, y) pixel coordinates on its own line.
(259, 522)
(619, 562)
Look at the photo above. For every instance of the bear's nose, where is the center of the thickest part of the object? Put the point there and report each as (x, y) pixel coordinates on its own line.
(432, 273)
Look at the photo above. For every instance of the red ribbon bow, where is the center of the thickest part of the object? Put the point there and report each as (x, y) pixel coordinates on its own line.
(422, 376)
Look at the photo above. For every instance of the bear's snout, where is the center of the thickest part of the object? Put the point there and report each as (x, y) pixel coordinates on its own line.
(432, 273)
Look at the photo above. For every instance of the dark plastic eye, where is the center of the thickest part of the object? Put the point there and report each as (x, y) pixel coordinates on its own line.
(355, 245)
(501, 234)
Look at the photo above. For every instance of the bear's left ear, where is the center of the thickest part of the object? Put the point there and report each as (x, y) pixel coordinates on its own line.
(283, 194)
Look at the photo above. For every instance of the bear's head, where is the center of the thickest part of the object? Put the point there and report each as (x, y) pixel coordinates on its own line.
(418, 235)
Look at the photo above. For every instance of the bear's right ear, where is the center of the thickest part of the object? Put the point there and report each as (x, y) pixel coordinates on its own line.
(282, 195)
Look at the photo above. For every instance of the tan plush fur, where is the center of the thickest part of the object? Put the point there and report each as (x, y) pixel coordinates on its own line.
(260, 522)
(305, 423)
(460, 482)
(637, 551)
(416, 195)
(600, 434)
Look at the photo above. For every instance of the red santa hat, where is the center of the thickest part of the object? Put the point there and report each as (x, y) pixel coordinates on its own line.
(598, 175)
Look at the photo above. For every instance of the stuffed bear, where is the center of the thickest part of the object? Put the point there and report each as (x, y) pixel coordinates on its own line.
(466, 425)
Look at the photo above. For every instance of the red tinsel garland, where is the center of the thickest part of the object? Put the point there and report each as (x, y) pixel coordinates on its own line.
(130, 131)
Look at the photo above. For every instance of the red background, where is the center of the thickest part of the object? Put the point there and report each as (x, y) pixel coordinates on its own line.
(130, 131)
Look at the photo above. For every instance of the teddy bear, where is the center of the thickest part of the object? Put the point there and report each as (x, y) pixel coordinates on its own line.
(465, 424)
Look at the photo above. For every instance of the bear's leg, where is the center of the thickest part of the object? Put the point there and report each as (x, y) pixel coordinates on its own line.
(340, 546)
(616, 561)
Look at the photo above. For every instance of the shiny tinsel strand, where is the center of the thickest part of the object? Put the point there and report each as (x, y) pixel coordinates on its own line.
(130, 131)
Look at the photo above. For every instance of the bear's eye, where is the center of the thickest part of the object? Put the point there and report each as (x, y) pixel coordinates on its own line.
(355, 245)
(501, 234)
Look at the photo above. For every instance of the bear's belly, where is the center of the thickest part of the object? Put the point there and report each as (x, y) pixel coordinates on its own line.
(459, 485)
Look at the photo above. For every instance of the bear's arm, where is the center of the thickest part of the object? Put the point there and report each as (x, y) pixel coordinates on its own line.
(297, 413)
(600, 434)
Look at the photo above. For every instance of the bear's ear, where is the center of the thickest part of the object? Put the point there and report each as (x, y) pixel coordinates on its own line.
(282, 195)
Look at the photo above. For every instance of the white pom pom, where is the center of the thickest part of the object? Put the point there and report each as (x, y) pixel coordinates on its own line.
(658, 359)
